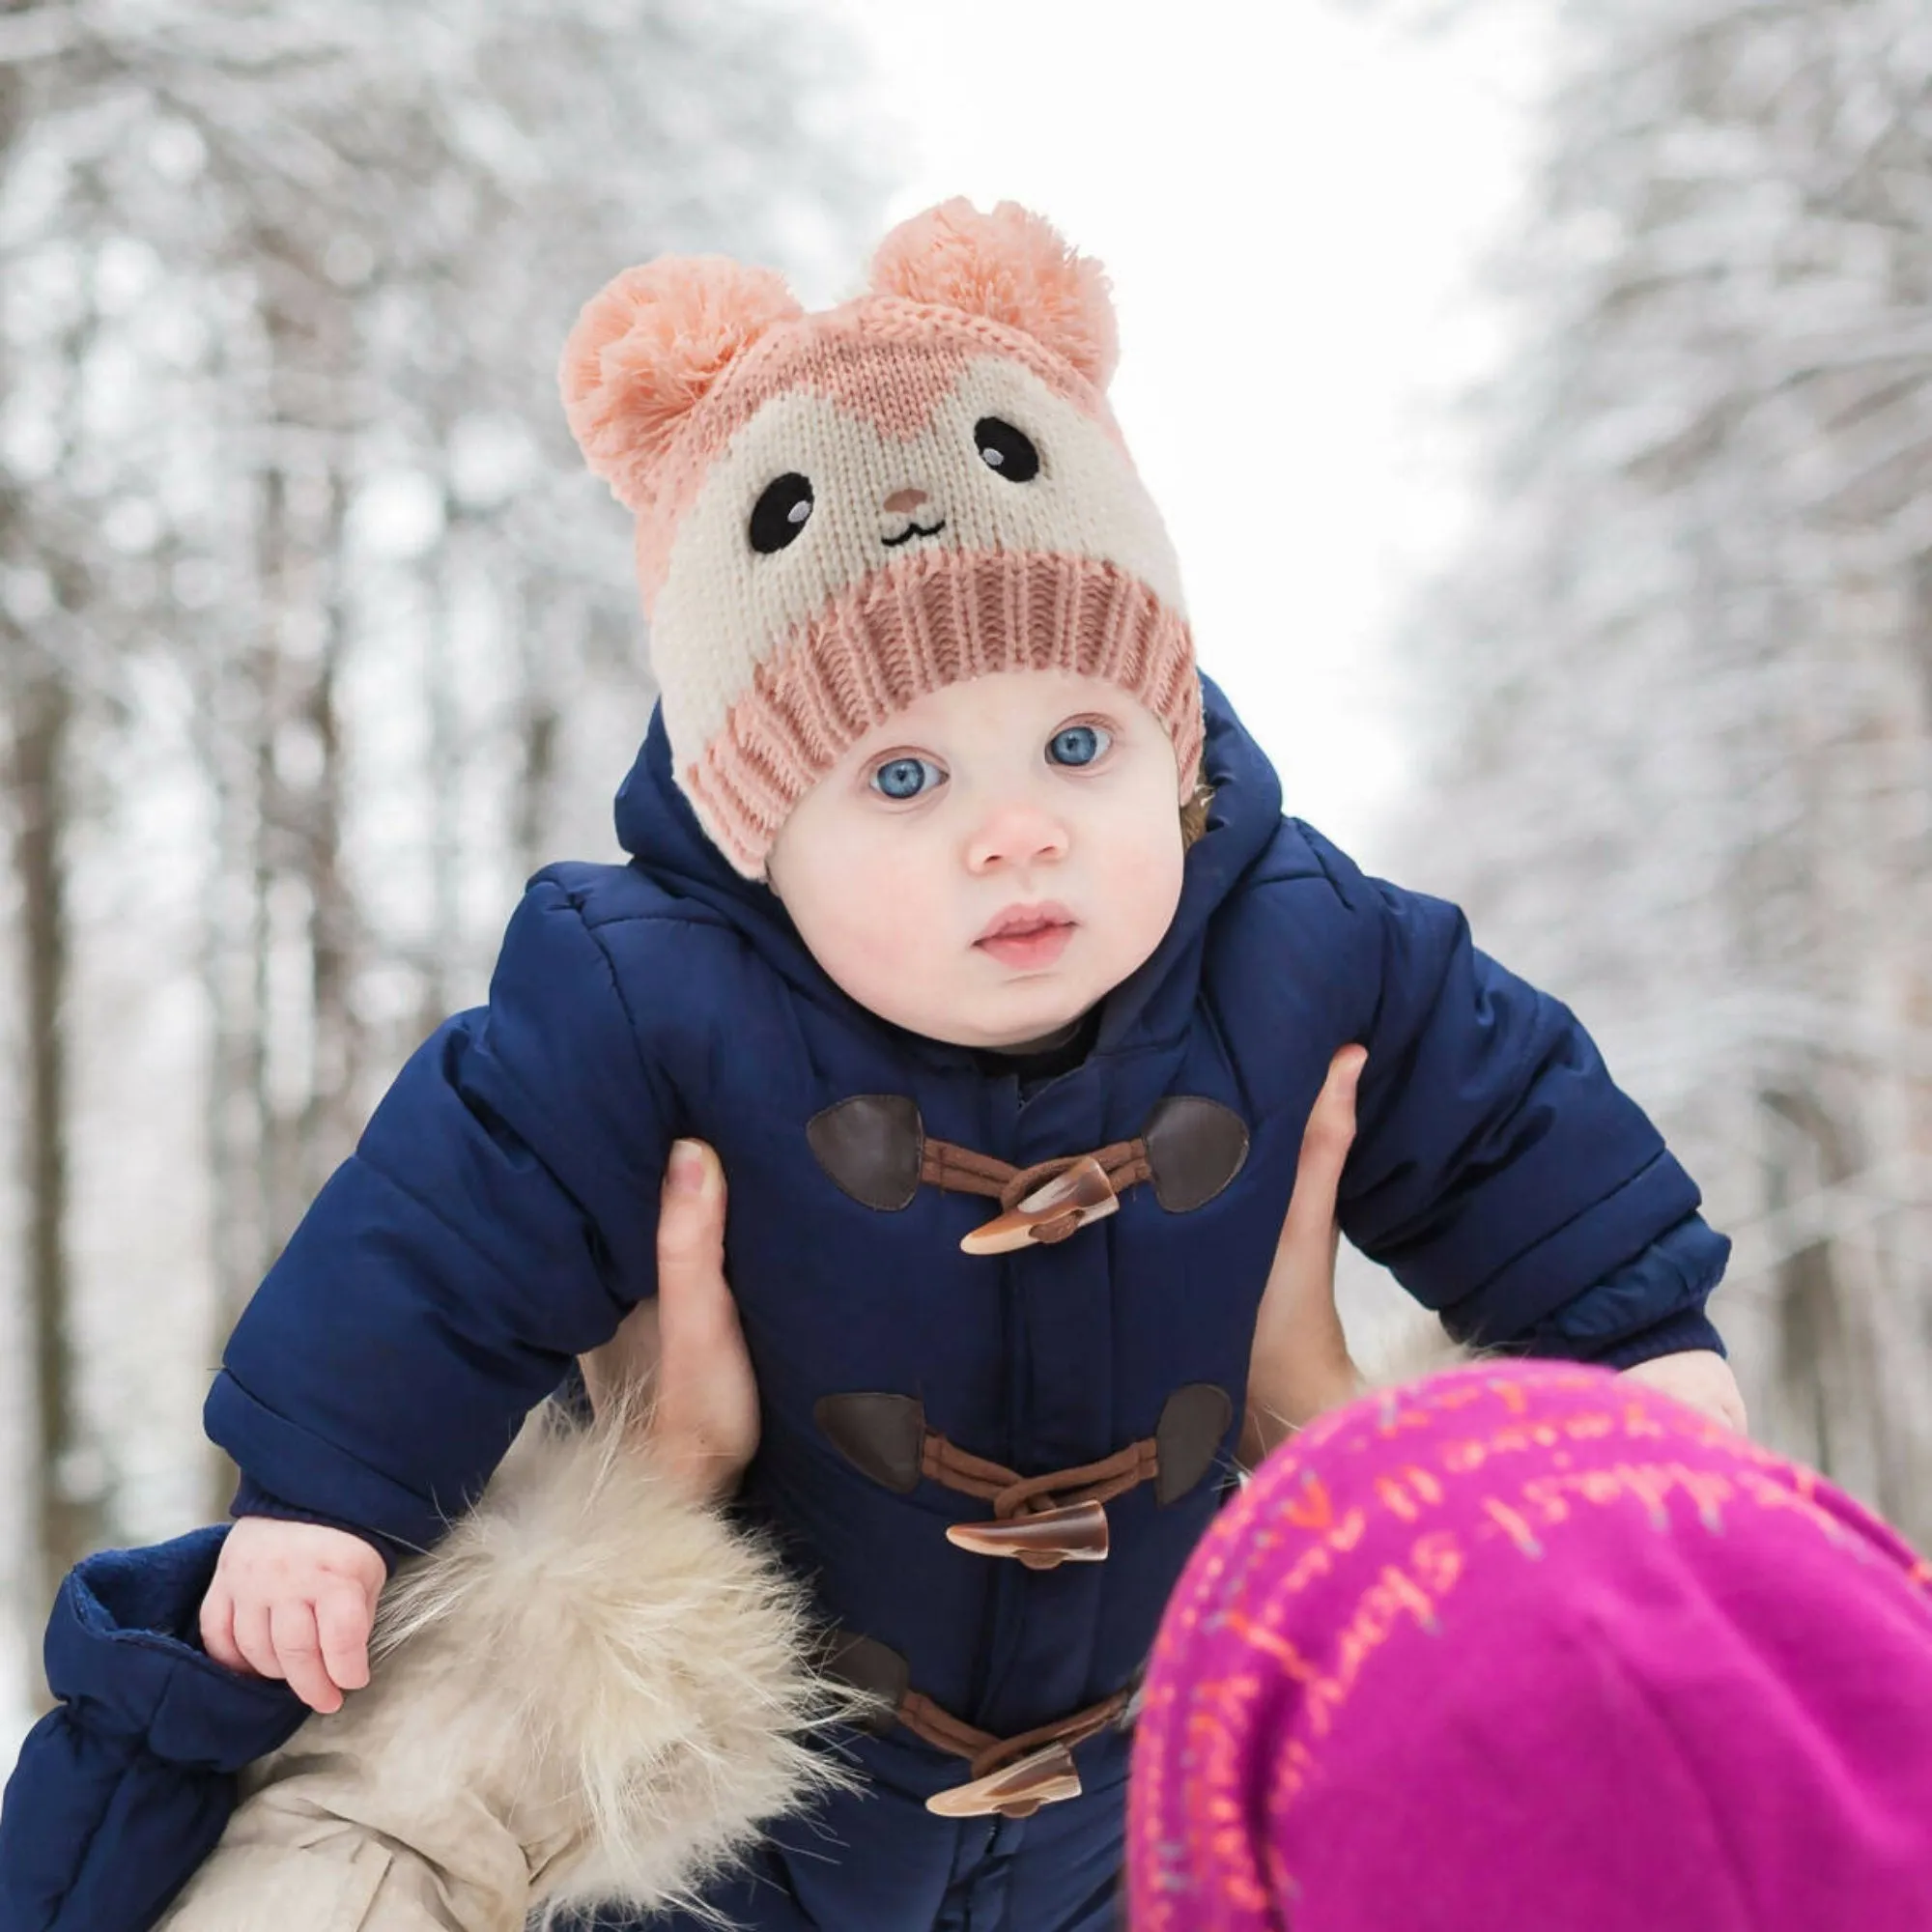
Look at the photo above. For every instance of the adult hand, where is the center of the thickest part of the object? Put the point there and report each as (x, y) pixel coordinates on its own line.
(1700, 1378)
(1300, 1364)
(681, 1354)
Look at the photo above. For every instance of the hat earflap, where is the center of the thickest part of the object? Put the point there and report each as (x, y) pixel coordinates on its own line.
(647, 350)
(1012, 267)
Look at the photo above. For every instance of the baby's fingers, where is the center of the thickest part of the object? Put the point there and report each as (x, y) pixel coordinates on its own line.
(253, 1641)
(217, 1629)
(298, 1653)
(342, 1620)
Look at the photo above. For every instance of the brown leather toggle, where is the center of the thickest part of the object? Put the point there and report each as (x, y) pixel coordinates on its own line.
(1013, 1777)
(1042, 1540)
(1081, 1192)
(885, 1435)
(1046, 1202)
(1042, 1520)
(1042, 1777)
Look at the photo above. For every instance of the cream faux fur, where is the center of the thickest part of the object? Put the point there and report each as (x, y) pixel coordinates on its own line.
(1407, 1347)
(592, 1691)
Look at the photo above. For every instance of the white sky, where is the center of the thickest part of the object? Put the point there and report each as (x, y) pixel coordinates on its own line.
(1293, 198)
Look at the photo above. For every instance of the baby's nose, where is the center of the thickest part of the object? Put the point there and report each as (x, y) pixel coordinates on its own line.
(1015, 834)
(902, 503)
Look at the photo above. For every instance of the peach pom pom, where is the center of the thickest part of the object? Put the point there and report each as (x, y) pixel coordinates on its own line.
(648, 349)
(1012, 267)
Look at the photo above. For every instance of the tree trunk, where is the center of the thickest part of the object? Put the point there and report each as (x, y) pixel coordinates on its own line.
(71, 1488)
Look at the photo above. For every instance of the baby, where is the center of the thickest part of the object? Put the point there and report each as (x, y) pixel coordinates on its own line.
(961, 918)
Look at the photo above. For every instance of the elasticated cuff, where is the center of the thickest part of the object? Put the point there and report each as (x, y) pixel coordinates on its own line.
(252, 1499)
(283, 1457)
(1689, 1330)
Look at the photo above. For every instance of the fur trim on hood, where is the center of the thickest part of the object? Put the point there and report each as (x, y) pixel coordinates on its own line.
(592, 1691)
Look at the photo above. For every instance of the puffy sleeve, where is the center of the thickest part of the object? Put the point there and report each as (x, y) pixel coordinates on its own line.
(498, 1218)
(1498, 1171)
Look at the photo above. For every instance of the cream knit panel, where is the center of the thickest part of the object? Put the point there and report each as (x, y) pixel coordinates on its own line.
(724, 608)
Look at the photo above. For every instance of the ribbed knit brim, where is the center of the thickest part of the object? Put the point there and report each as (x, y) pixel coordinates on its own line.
(931, 620)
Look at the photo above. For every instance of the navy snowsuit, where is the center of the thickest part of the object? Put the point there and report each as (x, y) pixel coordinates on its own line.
(498, 1218)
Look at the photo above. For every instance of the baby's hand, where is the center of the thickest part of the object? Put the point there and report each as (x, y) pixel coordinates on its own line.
(295, 1600)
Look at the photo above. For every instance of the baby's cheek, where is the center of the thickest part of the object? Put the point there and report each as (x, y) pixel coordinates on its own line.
(1143, 890)
(887, 949)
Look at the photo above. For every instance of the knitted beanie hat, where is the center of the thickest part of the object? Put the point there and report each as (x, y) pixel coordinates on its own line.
(1529, 1645)
(842, 510)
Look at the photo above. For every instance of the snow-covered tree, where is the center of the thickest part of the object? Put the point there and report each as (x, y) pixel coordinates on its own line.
(314, 636)
(1678, 708)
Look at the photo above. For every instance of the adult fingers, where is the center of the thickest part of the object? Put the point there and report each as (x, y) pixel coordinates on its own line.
(298, 1652)
(706, 1415)
(1309, 1234)
(342, 1619)
(692, 1299)
(1299, 1364)
(1330, 1131)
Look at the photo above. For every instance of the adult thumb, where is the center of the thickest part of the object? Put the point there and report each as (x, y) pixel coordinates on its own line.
(693, 1297)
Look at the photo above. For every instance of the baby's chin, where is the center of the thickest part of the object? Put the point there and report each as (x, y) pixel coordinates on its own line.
(999, 1027)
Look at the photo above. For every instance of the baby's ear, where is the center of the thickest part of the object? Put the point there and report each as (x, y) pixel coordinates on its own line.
(647, 351)
(1012, 267)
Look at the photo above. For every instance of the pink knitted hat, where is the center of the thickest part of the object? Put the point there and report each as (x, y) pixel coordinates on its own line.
(1529, 1645)
(840, 511)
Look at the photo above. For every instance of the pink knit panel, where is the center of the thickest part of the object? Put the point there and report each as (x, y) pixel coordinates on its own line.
(888, 361)
(932, 619)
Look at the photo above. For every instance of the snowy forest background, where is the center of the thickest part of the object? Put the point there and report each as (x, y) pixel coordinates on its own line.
(315, 638)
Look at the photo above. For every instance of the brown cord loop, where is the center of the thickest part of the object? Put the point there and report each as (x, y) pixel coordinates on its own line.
(983, 1752)
(958, 1170)
(1012, 1495)
(1094, 1483)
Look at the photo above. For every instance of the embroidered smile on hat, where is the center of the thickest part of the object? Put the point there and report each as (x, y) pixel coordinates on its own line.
(839, 511)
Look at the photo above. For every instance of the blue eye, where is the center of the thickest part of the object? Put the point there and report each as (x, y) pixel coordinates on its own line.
(907, 778)
(1078, 744)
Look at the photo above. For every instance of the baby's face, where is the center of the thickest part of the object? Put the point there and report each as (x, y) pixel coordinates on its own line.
(986, 865)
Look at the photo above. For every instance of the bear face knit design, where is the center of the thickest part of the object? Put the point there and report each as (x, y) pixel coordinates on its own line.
(840, 511)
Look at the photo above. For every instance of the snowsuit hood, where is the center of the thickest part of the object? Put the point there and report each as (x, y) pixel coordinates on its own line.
(658, 828)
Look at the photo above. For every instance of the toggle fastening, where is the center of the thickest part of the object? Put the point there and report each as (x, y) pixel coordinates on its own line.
(1080, 1193)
